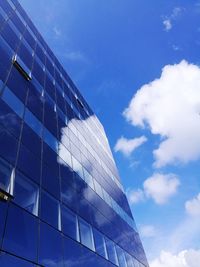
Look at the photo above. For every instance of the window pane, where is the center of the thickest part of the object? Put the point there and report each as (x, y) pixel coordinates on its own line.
(112, 255)
(33, 122)
(100, 244)
(77, 167)
(11, 261)
(88, 178)
(70, 223)
(5, 175)
(50, 140)
(13, 102)
(98, 188)
(21, 233)
(86, 234)
(121, 257)
(26, 194)
(50, 211)
(129, 260)
(50, 247)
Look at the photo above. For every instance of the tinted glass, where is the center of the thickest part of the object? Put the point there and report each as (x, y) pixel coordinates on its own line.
(100, 245)
(21, 233)
(72, 253)
(26, 194)
(33, 122)
(50, 211)
(11, 261)
(112, 256)
(50, 247)
(86, 234)
(13, 102)
(121, 257)
(70, 223)
(5, 175)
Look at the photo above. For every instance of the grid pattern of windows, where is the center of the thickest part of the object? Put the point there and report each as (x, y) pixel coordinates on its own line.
(55, 163)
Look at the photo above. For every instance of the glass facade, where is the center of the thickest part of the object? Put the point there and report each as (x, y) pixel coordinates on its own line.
(61, 200)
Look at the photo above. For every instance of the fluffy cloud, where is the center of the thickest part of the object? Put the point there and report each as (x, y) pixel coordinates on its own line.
(135, 196)
(160, 187)
(170, 106)
(193, 206)
(127, 146)
(186, 258)
(147, 231)
(167, 20)
(167, 24)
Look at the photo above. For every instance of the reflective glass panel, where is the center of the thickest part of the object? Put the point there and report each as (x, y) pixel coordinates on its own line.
(50, 210)
(33, 122)
(70, 223)
(112, 255)
(13, 102)
(100, 245)
(26, 193)
(86, 234)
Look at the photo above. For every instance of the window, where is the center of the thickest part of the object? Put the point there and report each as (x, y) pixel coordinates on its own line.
(70, 223)
(98, 188)
(121, 257)
(86, 234)
(50, 247)
(50, 210)
(50, 140)
(112, 255)
(21, 233)
(33, 122)
(13, 102)
(26, 194)
(6, 180)
(100, 244)
(88, 178)
(77, 167)
(129, 260)
(21, 67)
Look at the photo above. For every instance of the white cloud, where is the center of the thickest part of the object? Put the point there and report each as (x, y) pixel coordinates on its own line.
(193, 206)
(167, 24)
(160, 187)
(170, 106)
(57, 31)
(127, 146)
(75, 56)
(185, 258)
(147, 231)
(167, 20)
(135, 196)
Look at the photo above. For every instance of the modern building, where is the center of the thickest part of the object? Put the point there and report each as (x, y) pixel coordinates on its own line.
(61, 200)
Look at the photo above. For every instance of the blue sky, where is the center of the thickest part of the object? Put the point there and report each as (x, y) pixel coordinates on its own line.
(137, 64)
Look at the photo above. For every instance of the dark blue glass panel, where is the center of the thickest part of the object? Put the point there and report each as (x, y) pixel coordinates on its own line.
(13, 102)
(121, 257)
(8, 146)
(26, 193)
(17, 84)
(35, 145)
(33, 122)
(23, 241)
(35, 102)
(29, 164)
(25, 56)
(100, 243)
(17, 22)
(69, 195)
(86, 234)
(10, 37)
(50, 255)
(3, 208)
(5, 175)
(70, 223)
(6, 59)
(29, 38)
(49, 156)
(112, 255)
(89, 258)
(50, 179)
(38, 73)
(7, 260)
(9, 119)
(72, 253)
(50, 210)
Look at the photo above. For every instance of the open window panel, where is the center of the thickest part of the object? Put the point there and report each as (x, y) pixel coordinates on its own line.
(21, 67)
(7, 174)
